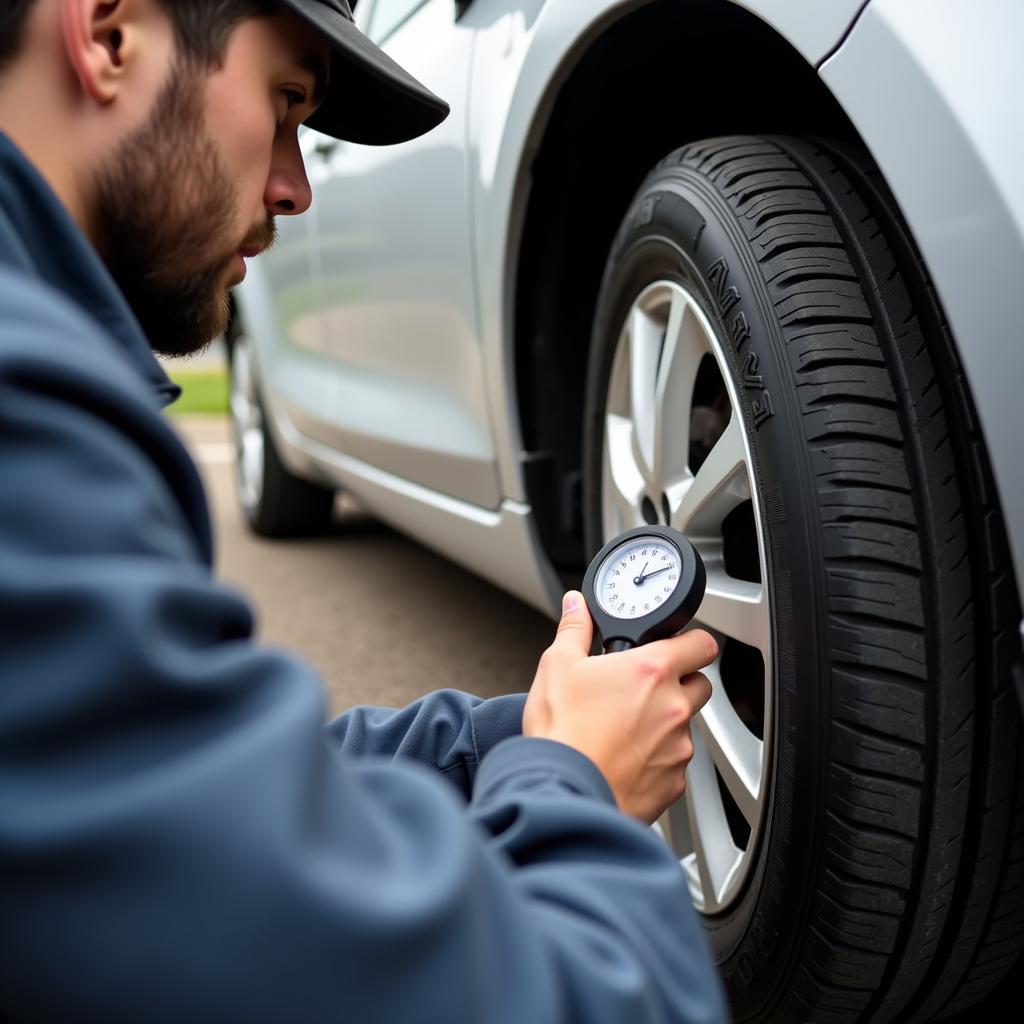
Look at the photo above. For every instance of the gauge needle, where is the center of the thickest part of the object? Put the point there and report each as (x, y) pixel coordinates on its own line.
(641, 578)
(637, 580)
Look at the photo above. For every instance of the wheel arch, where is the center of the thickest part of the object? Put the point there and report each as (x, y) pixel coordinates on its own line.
(644, 82)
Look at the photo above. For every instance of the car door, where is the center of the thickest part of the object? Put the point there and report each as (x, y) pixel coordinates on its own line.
(396, 310)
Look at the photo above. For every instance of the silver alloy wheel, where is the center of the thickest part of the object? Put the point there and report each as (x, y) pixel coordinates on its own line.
(651, 418)
(247, 419)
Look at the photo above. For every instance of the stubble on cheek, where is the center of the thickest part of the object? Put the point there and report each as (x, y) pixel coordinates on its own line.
(166, 216)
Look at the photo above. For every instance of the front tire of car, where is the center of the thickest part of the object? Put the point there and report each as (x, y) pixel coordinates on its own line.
(771, 374)
(274, 502)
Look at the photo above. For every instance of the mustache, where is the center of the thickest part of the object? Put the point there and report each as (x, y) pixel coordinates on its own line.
(262, 237)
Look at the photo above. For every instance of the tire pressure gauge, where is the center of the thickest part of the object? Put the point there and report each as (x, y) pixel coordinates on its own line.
(644, 585)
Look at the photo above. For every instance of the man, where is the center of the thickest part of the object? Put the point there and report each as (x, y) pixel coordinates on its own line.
(180, 838)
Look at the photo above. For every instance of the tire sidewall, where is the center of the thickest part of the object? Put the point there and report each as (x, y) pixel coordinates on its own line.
(678, 230)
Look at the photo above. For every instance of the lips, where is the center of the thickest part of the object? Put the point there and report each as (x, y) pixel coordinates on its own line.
(252, 250)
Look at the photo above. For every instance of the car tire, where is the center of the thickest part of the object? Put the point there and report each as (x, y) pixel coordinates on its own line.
(274, 502)
(771, 373)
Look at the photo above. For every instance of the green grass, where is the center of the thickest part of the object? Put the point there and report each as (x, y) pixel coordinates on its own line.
(203, 391)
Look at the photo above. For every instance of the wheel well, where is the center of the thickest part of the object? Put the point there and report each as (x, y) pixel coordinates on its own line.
(659, 77)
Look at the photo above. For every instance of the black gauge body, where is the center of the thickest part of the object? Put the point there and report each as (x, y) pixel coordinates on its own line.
(643, 567)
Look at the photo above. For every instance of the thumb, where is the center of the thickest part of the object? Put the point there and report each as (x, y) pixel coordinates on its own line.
(576, 629)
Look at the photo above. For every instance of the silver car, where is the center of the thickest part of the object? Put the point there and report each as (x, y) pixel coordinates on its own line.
(750, 268)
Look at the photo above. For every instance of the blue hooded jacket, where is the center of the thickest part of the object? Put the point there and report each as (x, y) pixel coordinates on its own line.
(181, 839)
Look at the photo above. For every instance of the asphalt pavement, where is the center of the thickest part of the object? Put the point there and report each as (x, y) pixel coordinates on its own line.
(382, 619)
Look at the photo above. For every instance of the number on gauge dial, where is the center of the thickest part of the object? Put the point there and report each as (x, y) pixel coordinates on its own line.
(637, 577)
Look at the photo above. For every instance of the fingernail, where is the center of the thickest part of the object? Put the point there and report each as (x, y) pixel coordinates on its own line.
(570, 602)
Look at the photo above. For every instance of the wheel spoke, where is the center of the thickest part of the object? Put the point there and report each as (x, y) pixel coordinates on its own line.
(675, 827)
(736, 752)
(685, 345)
(717, 857)
(623, 482)
(700, 505)
(644, 351)
(735, 607)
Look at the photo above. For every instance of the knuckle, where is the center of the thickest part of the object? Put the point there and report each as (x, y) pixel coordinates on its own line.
(686, 749)
(548, 658)
(704, 688)
(709, 647)
(684, 707)
(697, 686)
(652, 668)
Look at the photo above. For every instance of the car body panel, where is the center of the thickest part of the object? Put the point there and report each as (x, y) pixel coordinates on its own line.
(522, 54)
(498, 545)
(927, 84)
(813, 29)
(396, 322)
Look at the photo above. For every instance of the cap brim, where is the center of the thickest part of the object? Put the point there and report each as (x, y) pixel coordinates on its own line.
(370, 99)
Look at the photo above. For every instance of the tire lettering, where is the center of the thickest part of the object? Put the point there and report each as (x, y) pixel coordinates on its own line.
(645, 214)
(762, 409)
(718, 275)
(727, 296)
(740, 330)
(745, 969)
(751, 378)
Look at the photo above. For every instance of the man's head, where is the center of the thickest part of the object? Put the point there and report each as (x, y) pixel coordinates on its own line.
(186, 195)
(169, 130)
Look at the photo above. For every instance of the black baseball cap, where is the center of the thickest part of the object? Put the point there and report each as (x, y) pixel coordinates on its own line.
(370, 98)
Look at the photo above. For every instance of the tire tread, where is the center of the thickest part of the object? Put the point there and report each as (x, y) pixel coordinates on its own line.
(904, 755)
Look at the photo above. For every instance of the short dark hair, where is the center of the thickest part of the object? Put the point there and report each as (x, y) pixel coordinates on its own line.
(202, 27)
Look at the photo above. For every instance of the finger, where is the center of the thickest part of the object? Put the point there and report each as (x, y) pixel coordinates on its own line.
(575, 629)
(698, 689)
(686, 653)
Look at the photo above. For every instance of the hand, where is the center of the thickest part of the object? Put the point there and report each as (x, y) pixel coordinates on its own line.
(628, 712)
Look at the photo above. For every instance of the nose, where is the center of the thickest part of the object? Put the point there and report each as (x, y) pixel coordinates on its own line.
(287, 192)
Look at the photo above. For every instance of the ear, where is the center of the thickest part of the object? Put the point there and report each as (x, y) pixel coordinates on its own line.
(98, 36)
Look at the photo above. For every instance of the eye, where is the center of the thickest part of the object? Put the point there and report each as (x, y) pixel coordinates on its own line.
(293, 97)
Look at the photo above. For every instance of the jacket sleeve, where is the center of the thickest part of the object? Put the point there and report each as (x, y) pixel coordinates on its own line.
(180, 839)
(447, 730)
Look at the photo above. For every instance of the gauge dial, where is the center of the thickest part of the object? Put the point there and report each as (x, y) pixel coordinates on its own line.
(637, 577)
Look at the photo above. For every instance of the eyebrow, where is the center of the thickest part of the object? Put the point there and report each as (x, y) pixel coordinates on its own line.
(311, 61)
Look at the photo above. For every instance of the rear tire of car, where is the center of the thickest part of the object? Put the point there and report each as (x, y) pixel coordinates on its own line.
(885, 874)
(274, 502)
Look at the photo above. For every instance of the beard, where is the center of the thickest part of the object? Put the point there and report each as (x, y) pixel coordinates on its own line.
(164, 214)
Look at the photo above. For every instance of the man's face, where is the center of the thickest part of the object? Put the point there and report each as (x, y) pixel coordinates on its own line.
(199, 183)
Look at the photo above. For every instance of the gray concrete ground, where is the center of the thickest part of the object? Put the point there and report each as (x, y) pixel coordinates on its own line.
(382, 619)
